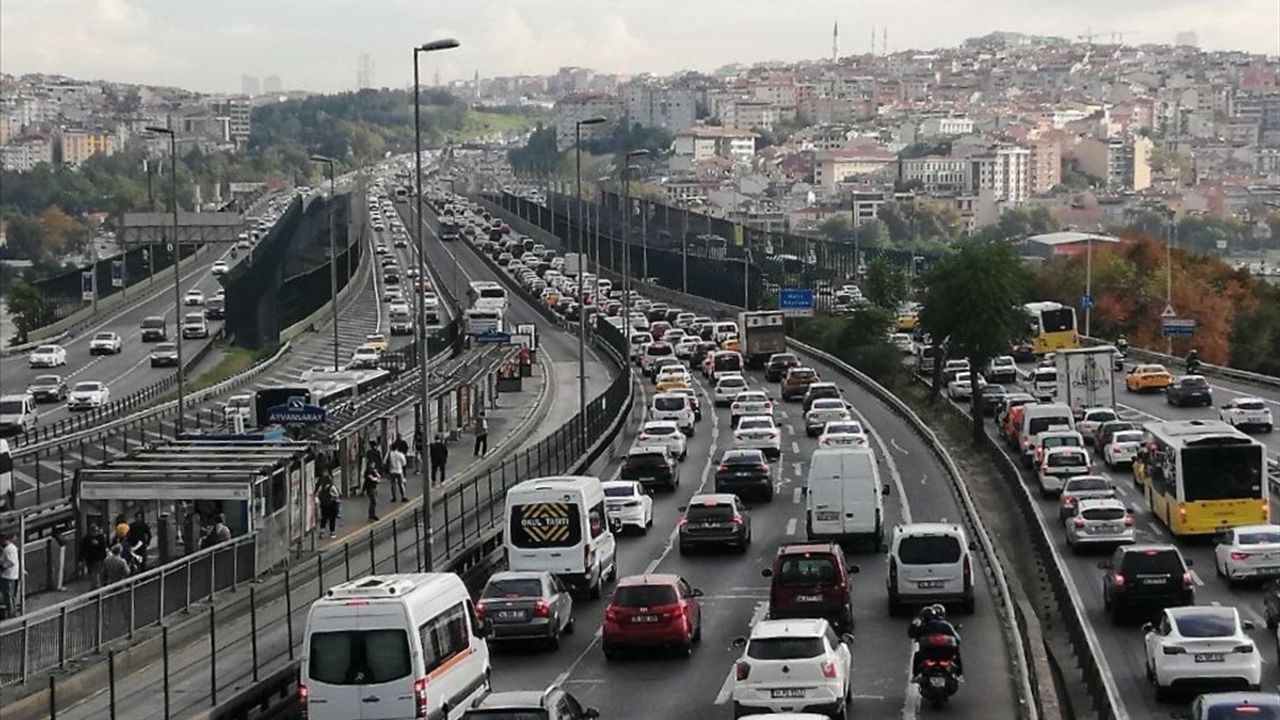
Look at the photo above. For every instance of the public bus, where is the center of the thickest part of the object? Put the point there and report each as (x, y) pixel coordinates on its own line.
(1052, 327)
(1202, 476)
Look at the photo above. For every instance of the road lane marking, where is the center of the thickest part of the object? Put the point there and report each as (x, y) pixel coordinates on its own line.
(894, 442)
(903, 501)
(795, 496)
(1195, 577)
(795, 447)
(791, 526)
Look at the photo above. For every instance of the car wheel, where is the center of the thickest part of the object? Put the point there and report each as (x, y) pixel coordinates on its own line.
(966, 607)
(697, 633)
(895, 606)
(553, 642)
(686, 649)
(610, 652)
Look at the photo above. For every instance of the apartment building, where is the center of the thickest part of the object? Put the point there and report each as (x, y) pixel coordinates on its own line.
(24, 154)
(1004, 170)
(1123, 163)
(672, 109)
(705, 142)
(76, 146)
(832, 167)
(937, 174)
(1044, 165)
(935, 128)
(574, 108)
(232, 116)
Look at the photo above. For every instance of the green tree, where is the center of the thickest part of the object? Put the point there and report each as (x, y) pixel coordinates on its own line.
(539, 154)
(29, 309)
(871, 234)
(27, 238)
(836, 228)
(886, 283)
(971, 303)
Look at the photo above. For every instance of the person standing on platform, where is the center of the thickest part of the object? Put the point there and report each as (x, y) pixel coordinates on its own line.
(482, 434)
(439, 452)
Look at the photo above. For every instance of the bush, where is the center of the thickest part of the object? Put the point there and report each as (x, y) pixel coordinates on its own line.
(860, 340)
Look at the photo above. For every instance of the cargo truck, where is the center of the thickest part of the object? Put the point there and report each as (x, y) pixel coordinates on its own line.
(763, 334)
(1085, 379)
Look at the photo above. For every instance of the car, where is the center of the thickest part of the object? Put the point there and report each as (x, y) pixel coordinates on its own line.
(778, 364)
(686, 348)
(1058, 437)
(676, 407)
(628, 503)
(378, 341)
(1122, 449)
(1002, 369)
(17, 415)
(1107, 430)
(1248, 552)
(240, 405)
(525, 605)
(744, 472)
(759, 432)
(1194, 647)
(823, 411)
(48, 388)
(652, 466)
(991, 396)
(164, 354)
(1091, 419)
(87, 395)
(962, 385)
(672, 377)
(727, 388)
(194, 296)
(553, 703)
(663, 433)
(811, 580)
(215, 308)
(1235, 706)
(47, 356)
(750, 402)
(1058, 465)
(793, 666)
(903, 342)
(819, 391)
(1081, 487)
(105, 343)
(365, 356)
(843, 433)
(694, 400)
(1189, 390)
(1166, 580)
(1246, 413)
(1099, 521)
(713, 519)
(1143, 378)
(220, 267)
(797, 381)
(655, 610)
(930, 562)
(194, 325)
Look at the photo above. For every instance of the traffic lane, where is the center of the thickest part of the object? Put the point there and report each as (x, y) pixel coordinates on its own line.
(1153, 405)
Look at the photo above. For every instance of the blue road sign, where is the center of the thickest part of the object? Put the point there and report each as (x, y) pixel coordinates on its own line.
(296, 410)
(796, 301)
(492, 336)
(1086, 301)
(86, 285)
(1177, 327)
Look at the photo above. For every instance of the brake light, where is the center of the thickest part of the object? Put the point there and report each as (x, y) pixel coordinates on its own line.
(722, 468)
(684, 521)
(481, 611)
(931, 664)
(542, 608)
(893, 571)
(1117, 580)
(1243, 649)
(420, 697)
(828, 669)
(1187, 582)
(762, 467)
(768, 407)
(303, 694)
(1068, 500)
(968, 571)
(1128, 521)
(742, 670)
(1238, 556)
(1078, 522)
(1182, 511)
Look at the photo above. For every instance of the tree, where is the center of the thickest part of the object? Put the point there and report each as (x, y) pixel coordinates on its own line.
(886, 283)
(539, 154)
(971, 301)
(58, 227)
(835, 228)
(27, 238)
(29, 309)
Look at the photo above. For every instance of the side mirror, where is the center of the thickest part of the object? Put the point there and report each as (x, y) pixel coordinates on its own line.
(697, 592)
(1188, 562)
(1248, 625)
(1148, 627)
(885, 490)
(766, 573)
(854, 569)
(1104, 565)
(682, 508)
(847, 638)
(591, 713)
(739, 642)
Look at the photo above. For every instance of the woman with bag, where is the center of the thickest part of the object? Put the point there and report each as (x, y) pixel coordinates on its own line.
(327, 494)
(370, 488)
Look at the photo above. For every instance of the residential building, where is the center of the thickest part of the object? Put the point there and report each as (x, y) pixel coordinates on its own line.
(935, 128)
(750, 114)
(1122, 163)
(1044, 165)
(573, 108)
(249, 85)
(704, 142)
(672, 109)
(1004, 170)
(936, 173)
(76, 146)
(233, 114)
(24, 154)
(832, 167)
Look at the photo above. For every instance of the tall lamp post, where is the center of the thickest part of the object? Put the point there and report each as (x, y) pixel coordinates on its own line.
(333, 252)
(424, 432)
(626, 234)
(177, 261)
(582, 289)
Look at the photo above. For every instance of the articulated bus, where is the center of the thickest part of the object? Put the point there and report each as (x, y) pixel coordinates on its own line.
(1202, 476)
(1053, 327)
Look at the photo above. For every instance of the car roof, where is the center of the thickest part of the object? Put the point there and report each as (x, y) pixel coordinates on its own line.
(1264, 699)
(801, 548)
(1110, 502)
(513, 700)
(928, 528)
(1261, 527)
(800, 627)
(650, 579)
(1202, 610)
(518, 575)
(619, 483)
(713, 498)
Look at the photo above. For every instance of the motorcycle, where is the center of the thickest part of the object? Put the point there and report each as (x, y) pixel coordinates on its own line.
(1118, 360)
(1193, 366)
(938, 678)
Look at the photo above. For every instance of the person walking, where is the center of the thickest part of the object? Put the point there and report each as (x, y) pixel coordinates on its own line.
(93, 551)
(9, 573)
(327, 494)
(370, 489)
(395, 468)
(400, 444)
(373, 458)
(115, 568)
(140, 539)
(481, 429)
(439, 456)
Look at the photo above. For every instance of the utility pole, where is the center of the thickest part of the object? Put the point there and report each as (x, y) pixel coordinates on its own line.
(684, 253)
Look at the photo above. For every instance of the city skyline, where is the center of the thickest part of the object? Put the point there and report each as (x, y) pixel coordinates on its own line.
(149, 42)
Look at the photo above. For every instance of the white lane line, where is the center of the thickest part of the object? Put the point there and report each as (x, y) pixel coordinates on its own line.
(894, 442)
(796, 496)
(795, 447)
(784, 414)
(1195, 577)
(903, 500)
(795, 467)
(791, 526)
(726, 688)
(790, 430)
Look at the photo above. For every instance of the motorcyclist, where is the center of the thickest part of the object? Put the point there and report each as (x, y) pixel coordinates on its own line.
(1193, 360)
(1122, 345)
(932, 620)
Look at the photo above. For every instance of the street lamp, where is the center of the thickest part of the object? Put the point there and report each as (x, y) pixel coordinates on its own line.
(333, 253)
(582, 244)
(177, 261)
(626, 234)
(424, 433)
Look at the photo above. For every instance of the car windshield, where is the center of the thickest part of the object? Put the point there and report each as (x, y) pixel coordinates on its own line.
(929, 549)
(46, 380)
(1061, 441)
(1100, 416)
(755, 424)
(646, 458)
(104, 336)
(743, 457)
(166, 347)
(1244, 711)
(844, 427)
(668, 403)
(785, 648)
(513, 587)
(1195, 383)
(1103, 513)
(644, 595)
(782, 359)
(1065, 459)
(709, 513)
(1258, 537)
(732, 383)
(828, 405)
(751, 398)
(801, 375)
(1088, 485)
(620, 491)
(659, 429)
(1152, 562)
(153, 323)
(1205, 625)
(1040, 424)
(658, 349)
(808, 569)
(1127, 436)
(88, 387)
(1250, 405)
(10, 407)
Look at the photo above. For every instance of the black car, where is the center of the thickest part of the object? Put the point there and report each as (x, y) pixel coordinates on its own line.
(1145, 578)
(991, 395)
(700, 352)
(526, 605)
(714, 520)
(1189, 390)
(154, 329)
(778, 364)
(820, 391)
(1023, 352)
(651, 466)
(743, 472)
(554, 703)
(215, 308)
(164, 355)
(48, 388)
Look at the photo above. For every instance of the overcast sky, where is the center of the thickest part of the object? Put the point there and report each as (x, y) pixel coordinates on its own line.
(315, 44)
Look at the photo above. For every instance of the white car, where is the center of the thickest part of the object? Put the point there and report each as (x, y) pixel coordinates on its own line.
(398, 307)
(1200, 644)
(1099, 521)
(220, 267)
(1092, 419)
(88, 395)
(961, 387)
(676, 407)
(1002, 369)
(687, 347)
(1083, 487)
(843, 433)
(751, 402)
(194, 296)
(392, 295)
(823, 411)
(1122, 448)
(758, 432)
(674, 374)
(663, 433)
(1058, 464)
(627, 501)
(365, 356)
(1247, 412)
(47, 356)
(238, 406)
(727, 388)
(1248, 552)
(790, 663)
(903, 342)
(105, 343)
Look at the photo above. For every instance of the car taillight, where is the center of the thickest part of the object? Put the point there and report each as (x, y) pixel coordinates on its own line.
(1243, 649)
(762, 467)
(303, 694)
(738, 520)
(1067, 500)
(1117, 580)
(893, 572)
(683, 521)
(742, 670)
(1128, 521)
(611, 614)
(828, 669)
(1078, 522)
(722, 468)
(968, 571)
(420, 697)
(481, 611)
(542, 608)
(1187, 582)
(1238, 556)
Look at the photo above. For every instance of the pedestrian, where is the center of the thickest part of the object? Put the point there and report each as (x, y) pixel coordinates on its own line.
(417, 442)
(93, 551)
(403, 447)
(327, 494)
(115, 568)
(373, 457)
(140, 538)
(122, 532)
(221, 533)
(439, 457)
(370, 489)
(482, 434)
(9, 573)
(395, 468)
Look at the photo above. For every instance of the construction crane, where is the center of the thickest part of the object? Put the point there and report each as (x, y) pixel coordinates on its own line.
(1117, 36)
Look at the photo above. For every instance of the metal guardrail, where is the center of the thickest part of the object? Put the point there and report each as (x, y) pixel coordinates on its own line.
(1221, 371)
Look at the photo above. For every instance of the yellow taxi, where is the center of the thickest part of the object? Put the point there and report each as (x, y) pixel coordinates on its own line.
(731, 343)
(675, 378)
(907, 322)
(550, 297)
(1147, 377)
(377, 341)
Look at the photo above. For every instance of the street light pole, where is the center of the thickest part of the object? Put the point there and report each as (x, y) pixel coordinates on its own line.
(180, 422)
(1088, 288)
(424, 399)
(333, 253)
(626, 233)
(582, 289)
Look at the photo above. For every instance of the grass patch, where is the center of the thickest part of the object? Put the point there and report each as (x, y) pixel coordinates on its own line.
(480, 124)
(234, 360)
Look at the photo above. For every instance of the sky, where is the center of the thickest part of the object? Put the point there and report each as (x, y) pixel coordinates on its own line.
(316, 45)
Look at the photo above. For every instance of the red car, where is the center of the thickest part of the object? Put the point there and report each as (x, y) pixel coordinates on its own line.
(652, 611)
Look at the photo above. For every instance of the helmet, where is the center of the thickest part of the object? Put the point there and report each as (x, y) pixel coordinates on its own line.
(939, 611)
(929, 613)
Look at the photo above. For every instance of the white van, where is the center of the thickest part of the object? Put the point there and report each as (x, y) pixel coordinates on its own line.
(1039, 418)
(675, 407)
(638, 341)
(394, 646)
(845, 498)
(1043, 383)
(722, 330)
(559, 524)
(18, 413)
(930, 563)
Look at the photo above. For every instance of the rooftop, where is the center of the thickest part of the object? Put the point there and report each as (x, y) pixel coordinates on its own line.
(1070, 237)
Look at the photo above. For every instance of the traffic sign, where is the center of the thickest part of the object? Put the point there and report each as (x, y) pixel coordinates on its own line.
(1168, 311)
(117, 273)
(796, 302)
(1086, 301)
(86, 285)
(296, 410)
(1178, 327)
(492, 336)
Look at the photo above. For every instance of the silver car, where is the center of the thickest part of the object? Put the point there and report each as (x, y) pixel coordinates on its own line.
(1081, 487)
(527, 605)
(1099, 521)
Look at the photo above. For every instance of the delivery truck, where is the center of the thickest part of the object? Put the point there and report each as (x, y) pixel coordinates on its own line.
(1085, 378)
(763, 334)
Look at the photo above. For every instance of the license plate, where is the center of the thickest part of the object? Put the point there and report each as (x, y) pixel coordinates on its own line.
(510, 614)
(938, 682)
(931, 584)
(808, 598)
(648, 478)
(1210, 657)
(828, 516)
(787, 693)
(644, 618)
(1154, 581)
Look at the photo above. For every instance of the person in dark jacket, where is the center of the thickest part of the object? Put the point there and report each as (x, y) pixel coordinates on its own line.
(139, 539)
(439, 455)
(327, 494)
(115, 568)
(93, 551)
(373, 458)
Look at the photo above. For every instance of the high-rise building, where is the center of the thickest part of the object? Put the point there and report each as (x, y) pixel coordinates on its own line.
(672, 109)
(1122, 162)
(572, 108)
(271, 85)
(249, 85)
(23, 155)
(232, 113)
(1004, 170)
(364, 72)
(76, 146)
(1045, 165)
